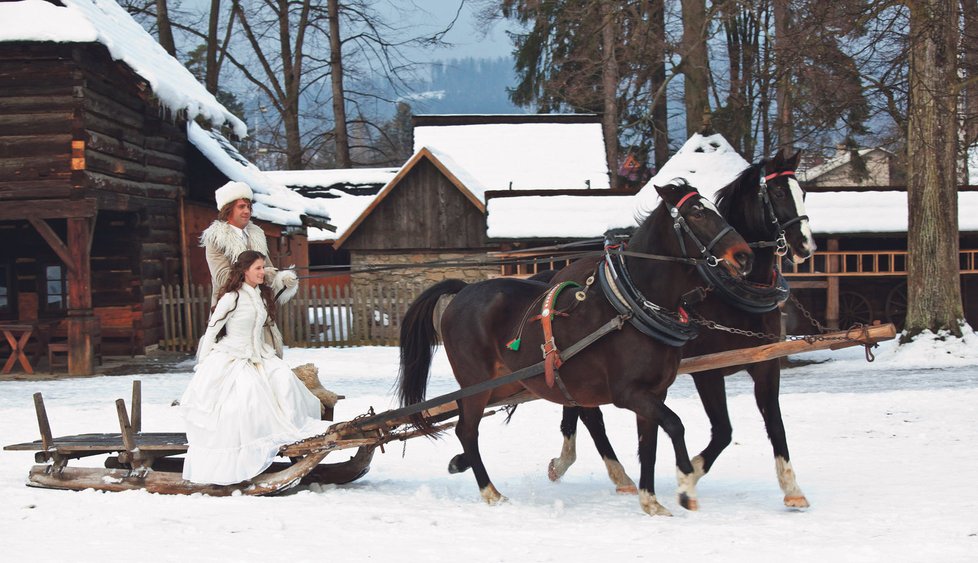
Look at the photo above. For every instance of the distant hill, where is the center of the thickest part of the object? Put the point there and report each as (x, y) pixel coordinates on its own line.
(467, 85)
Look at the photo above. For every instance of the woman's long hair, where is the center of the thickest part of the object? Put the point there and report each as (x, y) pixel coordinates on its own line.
(236, 279)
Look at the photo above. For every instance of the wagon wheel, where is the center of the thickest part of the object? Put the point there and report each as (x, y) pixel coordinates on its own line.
(896, 305)
(853, 309)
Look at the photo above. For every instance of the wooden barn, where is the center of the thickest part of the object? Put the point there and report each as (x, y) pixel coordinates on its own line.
(433, 210)
(95, 161)
(346, 193)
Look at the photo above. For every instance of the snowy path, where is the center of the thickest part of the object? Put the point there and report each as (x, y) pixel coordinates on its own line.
(888, 457)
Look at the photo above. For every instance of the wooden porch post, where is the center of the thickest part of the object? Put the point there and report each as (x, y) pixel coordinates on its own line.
(81, 318)
(832, 291)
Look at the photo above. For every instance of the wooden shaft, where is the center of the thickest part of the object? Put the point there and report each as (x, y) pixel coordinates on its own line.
(873, 334)
(42, 422)
(128, 441)
(136, 416)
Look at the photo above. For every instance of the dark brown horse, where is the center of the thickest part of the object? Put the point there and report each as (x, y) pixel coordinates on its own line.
(766, 205)
(626, 367)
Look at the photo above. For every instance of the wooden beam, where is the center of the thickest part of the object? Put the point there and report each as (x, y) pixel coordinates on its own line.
(54, 241)
(22, 209)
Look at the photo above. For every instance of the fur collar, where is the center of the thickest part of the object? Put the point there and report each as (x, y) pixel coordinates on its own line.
(224, 237)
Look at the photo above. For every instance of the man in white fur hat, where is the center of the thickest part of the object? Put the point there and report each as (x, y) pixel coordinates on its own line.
(231, 234)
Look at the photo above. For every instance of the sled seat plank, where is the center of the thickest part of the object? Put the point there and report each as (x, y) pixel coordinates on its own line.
(107, 443)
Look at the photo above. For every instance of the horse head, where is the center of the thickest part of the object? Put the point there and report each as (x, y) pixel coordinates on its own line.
(787, 204)
(700, 230)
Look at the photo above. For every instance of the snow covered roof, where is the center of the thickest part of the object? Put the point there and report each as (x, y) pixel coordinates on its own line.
(831, 164)
(346, 192)
(521, 156)
(708, 163)
(273, 201)
(105, 22)
(455, 174)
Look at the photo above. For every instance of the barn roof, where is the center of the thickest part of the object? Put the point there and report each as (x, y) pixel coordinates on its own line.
(346, 192)
(106, 23)
(844, 157)
(520, 152)
(456, 175)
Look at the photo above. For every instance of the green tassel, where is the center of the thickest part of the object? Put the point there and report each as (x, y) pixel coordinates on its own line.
(514, 344)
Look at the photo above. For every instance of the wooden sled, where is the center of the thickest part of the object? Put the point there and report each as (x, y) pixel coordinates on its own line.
(146, 460)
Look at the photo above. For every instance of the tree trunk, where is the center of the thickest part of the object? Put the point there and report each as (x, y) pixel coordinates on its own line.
(695, 64)
(969, 63)
(341, 136)
(933, 278)
(783, 124)
(660, 116)
(165, 29)
(211, 70)
(609, 90)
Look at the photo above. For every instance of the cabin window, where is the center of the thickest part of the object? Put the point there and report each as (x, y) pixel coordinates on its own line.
(55, 288)
(5, 304)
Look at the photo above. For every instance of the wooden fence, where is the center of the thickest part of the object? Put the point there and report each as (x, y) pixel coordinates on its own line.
(315, 317)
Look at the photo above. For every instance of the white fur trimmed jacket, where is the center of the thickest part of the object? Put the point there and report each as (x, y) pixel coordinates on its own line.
(243, 313)
(223, 243)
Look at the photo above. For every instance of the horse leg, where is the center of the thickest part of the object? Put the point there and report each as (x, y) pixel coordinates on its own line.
(471, 410)
(767, 377)
(651, 413)
(568, 451)
(594, 422)
(713, 394)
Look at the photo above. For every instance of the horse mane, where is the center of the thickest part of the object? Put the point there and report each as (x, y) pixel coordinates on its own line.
(740, 191)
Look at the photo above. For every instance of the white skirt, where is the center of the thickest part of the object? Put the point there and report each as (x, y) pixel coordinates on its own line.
(238, 415)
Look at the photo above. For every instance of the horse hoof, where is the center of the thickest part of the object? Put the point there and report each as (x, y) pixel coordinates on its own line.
(492, 496)
(458, 464)
(796, 502)
(651, 506)
(688, 502)
(553, 472)
(627, 490)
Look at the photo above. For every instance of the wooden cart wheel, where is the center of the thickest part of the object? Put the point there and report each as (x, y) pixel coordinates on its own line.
(896, 305)
(853, 309)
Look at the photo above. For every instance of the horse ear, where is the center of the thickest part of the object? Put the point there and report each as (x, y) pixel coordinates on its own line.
(674, 191)
(794, 160)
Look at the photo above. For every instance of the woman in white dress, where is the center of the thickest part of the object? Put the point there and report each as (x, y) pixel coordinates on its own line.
(243, 402)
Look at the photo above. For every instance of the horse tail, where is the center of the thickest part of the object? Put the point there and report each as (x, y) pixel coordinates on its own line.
(419, 337)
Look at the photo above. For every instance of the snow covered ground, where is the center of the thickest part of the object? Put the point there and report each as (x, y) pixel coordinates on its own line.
(887, 453)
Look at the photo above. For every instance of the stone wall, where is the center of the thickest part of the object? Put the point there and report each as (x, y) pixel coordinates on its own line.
(426, 272)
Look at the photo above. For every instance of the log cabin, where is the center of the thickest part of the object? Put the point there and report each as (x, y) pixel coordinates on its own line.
(108, 167)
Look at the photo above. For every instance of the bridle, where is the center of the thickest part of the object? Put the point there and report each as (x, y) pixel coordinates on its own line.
(680, 226)
(780, 243)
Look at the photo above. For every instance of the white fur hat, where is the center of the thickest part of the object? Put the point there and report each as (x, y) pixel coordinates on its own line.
(232, 191)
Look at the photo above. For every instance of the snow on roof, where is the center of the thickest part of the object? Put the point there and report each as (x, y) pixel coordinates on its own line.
(347, 192)
(105, 22)
(875, 212)
(708, 163)
(521, 156)
(831, 164)
(273, 201)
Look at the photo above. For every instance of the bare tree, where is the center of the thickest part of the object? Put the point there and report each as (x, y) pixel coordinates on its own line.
(933, 278)
(695, 64)
(165, 27)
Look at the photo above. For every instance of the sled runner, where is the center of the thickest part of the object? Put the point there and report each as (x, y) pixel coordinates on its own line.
(151, 461)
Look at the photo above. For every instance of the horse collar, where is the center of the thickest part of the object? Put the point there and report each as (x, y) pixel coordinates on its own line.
(650, 319)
